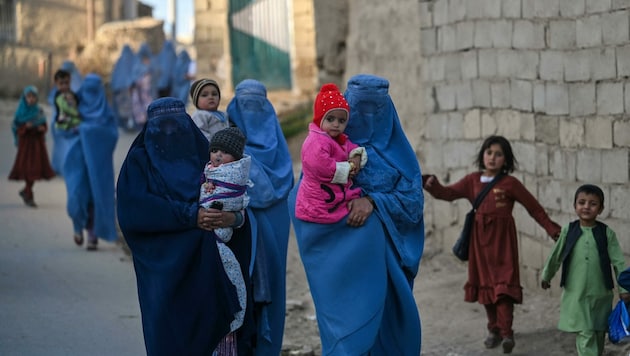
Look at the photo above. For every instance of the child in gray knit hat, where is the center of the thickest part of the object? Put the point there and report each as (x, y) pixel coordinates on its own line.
(206, 96)
(226, 177)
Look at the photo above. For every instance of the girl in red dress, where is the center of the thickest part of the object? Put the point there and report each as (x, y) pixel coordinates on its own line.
(493, 269)
(29, 130)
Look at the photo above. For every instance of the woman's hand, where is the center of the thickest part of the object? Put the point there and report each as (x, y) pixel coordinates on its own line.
(360, 210)
(210, 219)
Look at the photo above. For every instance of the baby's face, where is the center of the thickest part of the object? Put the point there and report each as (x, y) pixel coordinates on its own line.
(218, 157)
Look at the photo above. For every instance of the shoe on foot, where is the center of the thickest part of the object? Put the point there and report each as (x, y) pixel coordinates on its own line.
(493, 340)
(92, 245)
(78, 239)
(508, 345)
(31, 203)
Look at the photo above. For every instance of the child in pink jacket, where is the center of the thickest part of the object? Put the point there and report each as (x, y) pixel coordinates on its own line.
(329, 161)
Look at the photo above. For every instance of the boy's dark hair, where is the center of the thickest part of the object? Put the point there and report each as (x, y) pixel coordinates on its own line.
(510, 161)
(61, 74)
(590, 189)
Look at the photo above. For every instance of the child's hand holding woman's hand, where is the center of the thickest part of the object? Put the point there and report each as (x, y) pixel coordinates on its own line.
(356, 165)
(625, 297)
(428, 180)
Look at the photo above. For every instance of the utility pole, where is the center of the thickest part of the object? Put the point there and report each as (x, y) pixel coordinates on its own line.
(130, 9)
(172, 18)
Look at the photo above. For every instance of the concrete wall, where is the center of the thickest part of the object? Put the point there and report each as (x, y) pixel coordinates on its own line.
(550, 75)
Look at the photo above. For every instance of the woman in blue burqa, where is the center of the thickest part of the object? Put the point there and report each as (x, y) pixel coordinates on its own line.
(88, 167)
(361, 270)
(272, 175)
(165, 61)
(60, 144)
(143, 89)
(181, 77)
(186, 299)
(120, 86)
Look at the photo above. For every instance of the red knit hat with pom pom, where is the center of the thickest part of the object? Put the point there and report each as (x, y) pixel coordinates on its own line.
(328, 98)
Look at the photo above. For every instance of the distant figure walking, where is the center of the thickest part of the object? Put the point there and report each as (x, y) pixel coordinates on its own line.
(121, 83)
(29, 130)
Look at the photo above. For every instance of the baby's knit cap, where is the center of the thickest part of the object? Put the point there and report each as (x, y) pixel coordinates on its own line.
(197, 85)
(230, 140)
(328, 98)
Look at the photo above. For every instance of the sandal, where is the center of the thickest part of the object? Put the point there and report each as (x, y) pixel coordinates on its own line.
(78, 239)
(92, 243)
(493, 340)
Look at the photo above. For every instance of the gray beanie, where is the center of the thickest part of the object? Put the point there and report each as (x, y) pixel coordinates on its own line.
(230, 140)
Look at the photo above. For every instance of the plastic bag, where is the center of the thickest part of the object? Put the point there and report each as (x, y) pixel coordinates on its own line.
(618, 322)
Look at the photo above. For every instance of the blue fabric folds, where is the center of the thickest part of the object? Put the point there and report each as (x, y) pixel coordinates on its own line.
(618, 323)
(179, 80)
(272, 174)
(88, 165)
(165, 62)
(361, 278)
(186, 299)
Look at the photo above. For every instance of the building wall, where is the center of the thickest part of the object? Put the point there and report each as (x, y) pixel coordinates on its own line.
(211, 41)
(551, 76)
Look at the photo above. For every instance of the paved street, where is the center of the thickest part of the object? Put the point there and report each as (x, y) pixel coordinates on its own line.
(57, 298)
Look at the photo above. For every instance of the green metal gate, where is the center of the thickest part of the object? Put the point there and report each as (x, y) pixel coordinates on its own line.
(260, 42)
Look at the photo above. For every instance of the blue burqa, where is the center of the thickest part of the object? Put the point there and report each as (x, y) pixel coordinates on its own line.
(361, 278)
(272, 175)
(88, 166)
(180, 81)
(120, 85)
(186, 299)
(62, 140)
(165, 61)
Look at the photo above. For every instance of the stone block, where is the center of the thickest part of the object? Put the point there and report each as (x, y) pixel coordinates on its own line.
(500, 95)
(502, 33)
(436, 68)
(447, 37)
(562, 34)
(620, 4)
(428, 41)
(541, 8)
(452, 69)
(582, 99)
(571, 132)
(598, 132)
(487, 63)
(437, 126)
(577, 66)
(623, 61)
(480, 9)
(488, 123)
(426, 14)
(481, 93)
(464, 37)
(542, 160)
(446, 96)
(556, 99)
(511, 9)
(526, 153)
(440, 12)
(618, 202)
(572, 8)
(528, 126)
(521, 94)
(547, 129)
(539, 97)
(563, 165)
(589, 31)
(468, 65)
(455, 126)
(508, 124)
(527, 64)
(507, 63)
(531, 254)
(528, 35)
(589, 165)
(610, 98)
(621, 132)
(615, 28)
(456, 10)
(483, 34)
(597, 6)
(603, 64)
(615, 167)
(552, 65)
(472, 124)
(464, 95)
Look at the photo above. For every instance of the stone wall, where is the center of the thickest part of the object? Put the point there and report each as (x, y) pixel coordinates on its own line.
(550, 75)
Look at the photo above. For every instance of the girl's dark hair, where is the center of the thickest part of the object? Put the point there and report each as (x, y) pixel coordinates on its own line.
(61, 74)
(510, 161)
(589, 189)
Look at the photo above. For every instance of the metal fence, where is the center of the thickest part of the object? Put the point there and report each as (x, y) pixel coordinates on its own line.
(7, 20)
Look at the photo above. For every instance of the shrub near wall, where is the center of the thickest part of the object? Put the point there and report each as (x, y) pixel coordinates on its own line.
(552, 77)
